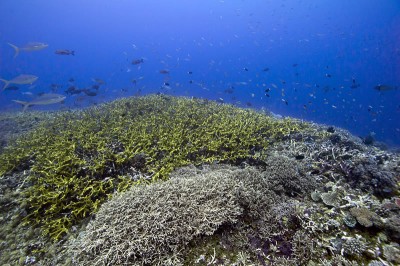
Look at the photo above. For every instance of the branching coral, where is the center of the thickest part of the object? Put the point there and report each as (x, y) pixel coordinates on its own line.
(79, 159)
(148, 222)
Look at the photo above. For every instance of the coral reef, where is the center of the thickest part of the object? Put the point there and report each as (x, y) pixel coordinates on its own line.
(259, 191)
(147, 223)
(78, 159)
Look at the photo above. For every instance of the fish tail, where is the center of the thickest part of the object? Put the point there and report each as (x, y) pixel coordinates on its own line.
(15, 48)
(6, 83)
(25, 104)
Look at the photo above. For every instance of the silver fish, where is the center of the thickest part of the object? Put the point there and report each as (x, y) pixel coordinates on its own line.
(29, 47)
(21, 79)
(44, 99)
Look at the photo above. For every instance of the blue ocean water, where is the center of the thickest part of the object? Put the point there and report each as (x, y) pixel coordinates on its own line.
(316, 60)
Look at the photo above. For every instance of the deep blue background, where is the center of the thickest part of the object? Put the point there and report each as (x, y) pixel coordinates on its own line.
(217, 40)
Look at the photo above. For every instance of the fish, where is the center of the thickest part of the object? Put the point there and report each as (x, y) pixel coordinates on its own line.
(44, 99)
(12, 88)
(90, 92)
(137, 61)
(73, 90)
(164, 71)
(65, 52)
(21, 79)
(229, 90)
(384, 87)
(29, 47)
(98, 81)
(354, 84)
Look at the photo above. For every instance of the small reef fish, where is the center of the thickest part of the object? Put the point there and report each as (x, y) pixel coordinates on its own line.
(98, 81)
(29, 47)
(44, 99)
(73, 90)
(20, 80)
(90, 92)
(354, 84)
(137, 61)
(384, 87)
(164, 71)
(65, 52)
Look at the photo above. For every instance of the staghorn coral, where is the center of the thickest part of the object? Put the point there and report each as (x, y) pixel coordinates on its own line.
(148, 223)
(78, 159)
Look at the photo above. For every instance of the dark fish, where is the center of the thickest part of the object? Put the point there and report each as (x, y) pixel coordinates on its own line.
(354, 85)
(190, 72)
(90, 92)
(245, 69)
(71, 80)
(55, 86)
(164, 71)
(166, 84)
(64, 52)
(266, 69)
(190, 81)
(73, 90)
(95, 86)
(328, 75)
(294, 65)
(11, 88)
(384, 87)
(137, 61)
(249, 104)
(230, 90)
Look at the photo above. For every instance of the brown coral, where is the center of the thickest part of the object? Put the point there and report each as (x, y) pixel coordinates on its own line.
(365, 217)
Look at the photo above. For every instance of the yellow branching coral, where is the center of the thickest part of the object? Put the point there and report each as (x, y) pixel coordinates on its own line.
(78, 159)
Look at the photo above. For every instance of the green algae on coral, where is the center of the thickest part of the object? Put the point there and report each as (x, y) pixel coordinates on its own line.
(78, 159)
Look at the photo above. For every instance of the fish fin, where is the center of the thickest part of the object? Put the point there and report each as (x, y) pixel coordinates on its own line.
(15, 48)
(6, 83)
(25, 104)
